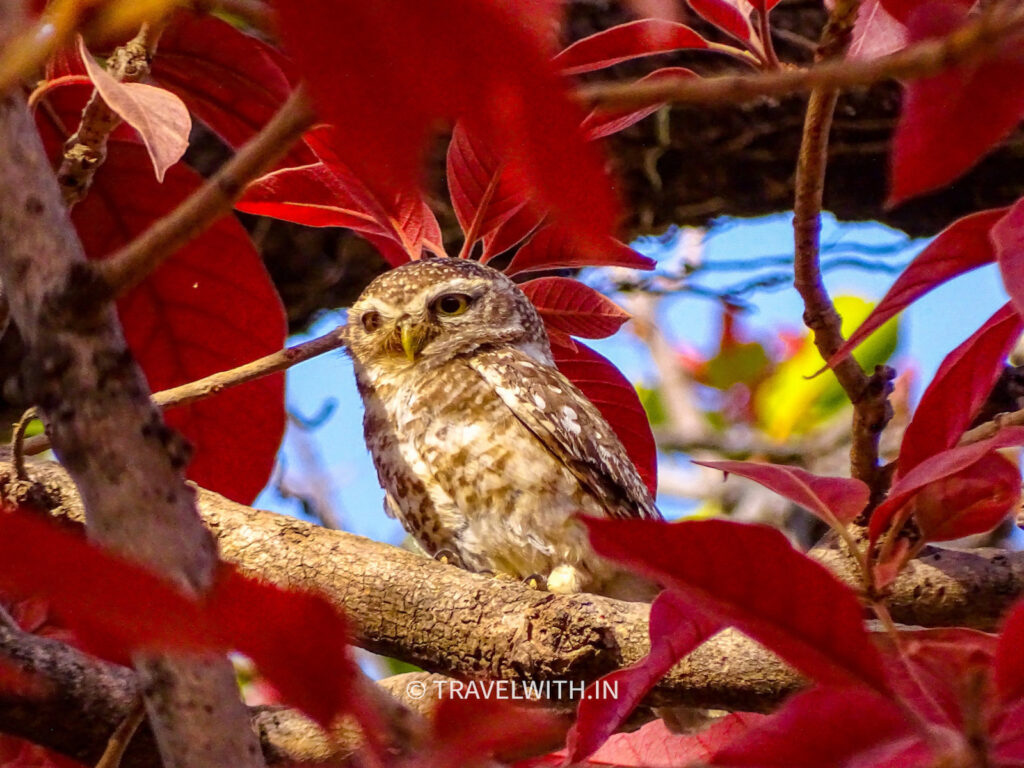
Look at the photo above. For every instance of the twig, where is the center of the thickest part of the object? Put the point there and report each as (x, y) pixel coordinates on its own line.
(18, 443)
(122, 736)
(868, 395)
(6, 620)
(991, 428)
(928, 57)
(129, 266)
(86, 150)
(218, 382)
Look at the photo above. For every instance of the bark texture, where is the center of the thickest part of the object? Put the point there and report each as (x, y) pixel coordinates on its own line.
(126, 463)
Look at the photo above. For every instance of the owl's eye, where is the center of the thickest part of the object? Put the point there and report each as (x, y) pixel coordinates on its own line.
(452, 304)
(370, 321)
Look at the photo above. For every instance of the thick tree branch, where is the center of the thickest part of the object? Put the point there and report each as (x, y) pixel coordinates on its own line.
(472, 626)
(91, 699)
(126, 462)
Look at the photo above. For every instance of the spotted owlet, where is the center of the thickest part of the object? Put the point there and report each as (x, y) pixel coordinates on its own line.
(483, 448)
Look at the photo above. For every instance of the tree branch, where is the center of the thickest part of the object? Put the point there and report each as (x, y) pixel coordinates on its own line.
(870, 396)
(129, 266)
(93, 397)
(923, 59)
(218, 382)
(86, 150)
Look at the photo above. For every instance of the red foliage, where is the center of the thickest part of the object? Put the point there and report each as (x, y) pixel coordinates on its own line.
(1008, 240)
(574, 308)
(674, 633)
(835, 500)
(608, 47)
(964, 245)
(208, 308)
(484, 63)
(959, 389)
(716, 568)
(311, 668)
(951, 119)
(554, 247)
(618, 402)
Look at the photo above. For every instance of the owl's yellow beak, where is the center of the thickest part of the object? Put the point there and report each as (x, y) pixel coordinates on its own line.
(414, 337)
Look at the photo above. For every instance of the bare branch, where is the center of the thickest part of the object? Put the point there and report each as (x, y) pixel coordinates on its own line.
(972, 41)
(129, 266)
(218, 382)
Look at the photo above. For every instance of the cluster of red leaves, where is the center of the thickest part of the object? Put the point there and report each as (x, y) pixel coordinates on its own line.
(524, 174)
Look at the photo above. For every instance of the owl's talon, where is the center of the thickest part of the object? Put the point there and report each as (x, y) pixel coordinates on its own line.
(447, 557)
(536, 581)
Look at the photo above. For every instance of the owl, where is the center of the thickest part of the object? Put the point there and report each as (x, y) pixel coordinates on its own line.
(484, 449)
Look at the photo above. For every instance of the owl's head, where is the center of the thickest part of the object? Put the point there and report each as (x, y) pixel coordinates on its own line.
(430, 310)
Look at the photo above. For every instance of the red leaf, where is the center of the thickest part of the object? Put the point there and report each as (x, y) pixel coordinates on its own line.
(730, 16)
(386, 73)
(477, 180)
(1008, 240)
(655, 746)
(608, 47)
(511, 233)
(569, 306)
(18, 753)
(935, 468)
(88, 589)
(835, 500)
(951, 119)
(602, 122)
(618, 402)
(959, 389)
(208, 308)
(823, 727)
(231, 81)
(973, 500)
(553, 248)
(469, 731)
(323, 195)
(1009, 664)
(964, 245)
(933, 668)
(749, 576)
(674, 632)
(309, 667)
(876, 32)
(160, 117)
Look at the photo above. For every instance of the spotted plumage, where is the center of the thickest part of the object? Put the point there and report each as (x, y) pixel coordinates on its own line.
(482, 446)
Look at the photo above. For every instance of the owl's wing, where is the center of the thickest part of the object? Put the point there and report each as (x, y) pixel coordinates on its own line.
(569, 426)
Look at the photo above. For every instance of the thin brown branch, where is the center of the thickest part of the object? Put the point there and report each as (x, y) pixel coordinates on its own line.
(86, 150)
(122, 736)
(130, 265)
(993, 427)
(218, 382)
(928, 57)
(868, 395)
(18, 448)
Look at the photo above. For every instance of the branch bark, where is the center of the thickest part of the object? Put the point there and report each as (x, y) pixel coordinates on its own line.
(469, 625)
(126, 462)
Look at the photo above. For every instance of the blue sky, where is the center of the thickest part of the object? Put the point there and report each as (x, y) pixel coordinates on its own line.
(931, 328)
